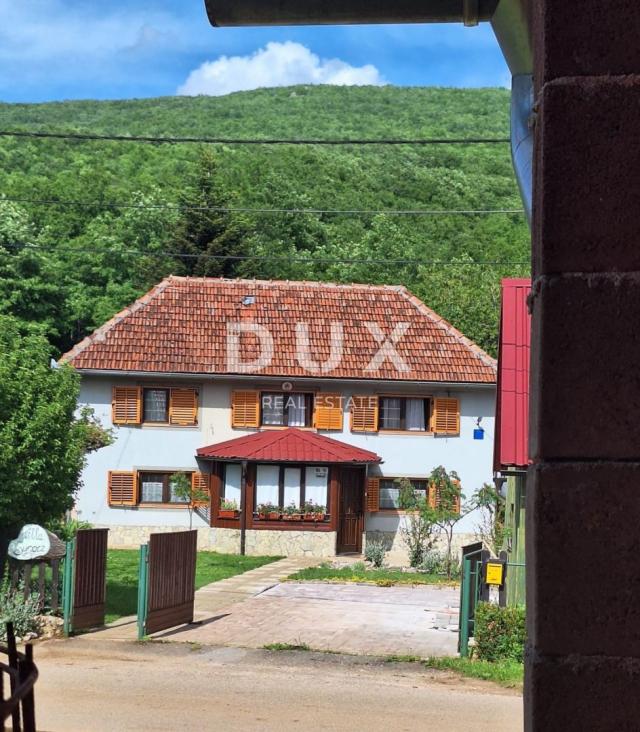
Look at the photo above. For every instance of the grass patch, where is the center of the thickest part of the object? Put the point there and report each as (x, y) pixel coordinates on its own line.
(380, 577)
(286, 647)
(122, 576)
(506, 672)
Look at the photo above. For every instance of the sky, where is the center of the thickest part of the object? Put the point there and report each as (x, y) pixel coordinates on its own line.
(122, 49)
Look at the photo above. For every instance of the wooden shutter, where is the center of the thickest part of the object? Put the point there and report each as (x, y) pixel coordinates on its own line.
(123, 488)
(245, 409)
(126, 405)
(364, 414)
(373, 494)
(183, 406)
(328, 412)
(446, 416)
(200, 482)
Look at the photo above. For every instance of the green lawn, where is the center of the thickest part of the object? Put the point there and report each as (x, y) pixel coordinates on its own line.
(506, 673)
(357, 573)
(122, 576)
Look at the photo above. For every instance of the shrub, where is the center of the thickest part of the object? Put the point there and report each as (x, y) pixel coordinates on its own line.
(15, 609)
(375, 552)
(499, 632)
(66, 529)
(416, 534)
(433, 562)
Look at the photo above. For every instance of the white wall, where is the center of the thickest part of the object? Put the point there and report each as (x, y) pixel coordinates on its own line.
(174, 448)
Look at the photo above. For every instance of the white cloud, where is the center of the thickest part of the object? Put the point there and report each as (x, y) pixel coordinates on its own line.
(278, 64)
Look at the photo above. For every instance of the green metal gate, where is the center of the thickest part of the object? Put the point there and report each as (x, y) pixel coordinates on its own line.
(472, 591)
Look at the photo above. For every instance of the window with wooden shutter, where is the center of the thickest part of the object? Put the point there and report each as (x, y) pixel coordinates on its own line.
(122, 488)
(364, 414)
(183, 406)
(328, 412)
(200, 483)
(126, 405)
(373, 494)
(245, 409)
(446, 416)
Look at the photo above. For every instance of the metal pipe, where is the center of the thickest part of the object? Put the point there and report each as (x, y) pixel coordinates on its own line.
(321, 12)
(522, 137)
(512, 26)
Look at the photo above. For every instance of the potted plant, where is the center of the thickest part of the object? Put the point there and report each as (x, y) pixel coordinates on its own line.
(228, 509)
(292, 513)
(267, 511)
(313, 511)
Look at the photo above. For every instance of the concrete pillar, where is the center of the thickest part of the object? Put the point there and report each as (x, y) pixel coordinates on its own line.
(583, 532)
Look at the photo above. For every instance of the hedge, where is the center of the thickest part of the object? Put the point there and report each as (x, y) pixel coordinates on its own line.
(499, 632)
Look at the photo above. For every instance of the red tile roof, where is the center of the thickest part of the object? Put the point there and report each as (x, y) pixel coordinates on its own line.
(180, 326)
(288, 445)
(511, 443)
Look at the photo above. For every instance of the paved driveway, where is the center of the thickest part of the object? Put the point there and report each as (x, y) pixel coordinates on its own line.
(350, 618)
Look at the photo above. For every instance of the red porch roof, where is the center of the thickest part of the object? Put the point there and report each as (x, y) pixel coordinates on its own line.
(289, 445)
(511, 446)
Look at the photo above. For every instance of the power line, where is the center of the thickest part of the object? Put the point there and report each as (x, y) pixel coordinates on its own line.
(226, 209)
(262, 257)
(94, 136)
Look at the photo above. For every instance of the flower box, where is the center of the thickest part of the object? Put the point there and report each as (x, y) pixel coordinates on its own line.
(273, 515)
(292, 517)
(228, 513)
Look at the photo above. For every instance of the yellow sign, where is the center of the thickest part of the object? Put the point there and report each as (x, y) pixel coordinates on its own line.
(494, 574)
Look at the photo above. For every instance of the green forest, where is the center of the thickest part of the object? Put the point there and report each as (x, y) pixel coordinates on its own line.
(142, 211)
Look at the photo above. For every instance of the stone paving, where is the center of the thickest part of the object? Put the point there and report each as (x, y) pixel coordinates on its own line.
(348, 618)
(213, 598)
(256, 608)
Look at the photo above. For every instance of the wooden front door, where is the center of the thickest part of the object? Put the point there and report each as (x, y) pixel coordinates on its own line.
(351, 516)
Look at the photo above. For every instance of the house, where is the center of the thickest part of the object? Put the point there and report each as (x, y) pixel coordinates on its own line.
(271, 395)
(511, 446)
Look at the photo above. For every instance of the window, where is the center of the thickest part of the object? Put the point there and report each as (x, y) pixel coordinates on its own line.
(158, 488)
(390, 492)
(283, 485)
(135, 405)
(155, 405)
(410, 414)
(286, 409)
(232, 480)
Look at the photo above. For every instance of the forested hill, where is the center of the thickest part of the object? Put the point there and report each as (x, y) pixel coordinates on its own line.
(70, 267)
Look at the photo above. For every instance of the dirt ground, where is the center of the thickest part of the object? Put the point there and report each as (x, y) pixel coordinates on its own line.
(88, 684)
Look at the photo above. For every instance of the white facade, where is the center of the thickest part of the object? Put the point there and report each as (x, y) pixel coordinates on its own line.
(173, 448)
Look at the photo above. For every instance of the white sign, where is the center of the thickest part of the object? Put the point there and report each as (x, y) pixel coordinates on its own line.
(32, 542)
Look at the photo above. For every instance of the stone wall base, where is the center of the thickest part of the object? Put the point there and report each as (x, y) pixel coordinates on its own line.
(130, 537)
(398, 555)
(227, 541)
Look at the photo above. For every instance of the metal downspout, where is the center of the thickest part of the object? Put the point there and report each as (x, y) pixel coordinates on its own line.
(511, 24)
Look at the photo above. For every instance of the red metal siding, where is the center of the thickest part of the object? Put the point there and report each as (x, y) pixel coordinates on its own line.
(512, 411)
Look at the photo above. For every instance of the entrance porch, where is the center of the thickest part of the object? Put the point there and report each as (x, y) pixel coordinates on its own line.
(289, 492)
